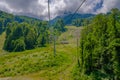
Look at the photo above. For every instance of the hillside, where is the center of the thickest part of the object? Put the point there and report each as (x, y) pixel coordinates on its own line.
(5, 15)
(6, 18)
(40, 63)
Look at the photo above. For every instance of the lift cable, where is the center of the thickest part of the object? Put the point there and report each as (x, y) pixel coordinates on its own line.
(76, 10)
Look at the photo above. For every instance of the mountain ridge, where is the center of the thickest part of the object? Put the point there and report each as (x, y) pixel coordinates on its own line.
(68, 17)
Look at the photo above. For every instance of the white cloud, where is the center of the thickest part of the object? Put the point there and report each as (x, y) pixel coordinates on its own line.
(108, 5)
(4, 6)
(39, 8)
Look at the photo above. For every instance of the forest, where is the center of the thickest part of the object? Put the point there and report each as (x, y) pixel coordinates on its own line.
(100, 47)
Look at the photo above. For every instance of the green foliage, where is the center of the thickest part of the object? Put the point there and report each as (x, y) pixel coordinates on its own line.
(100, 47)
(28, 32)
(19, 44)
(6, 18)
(43, 33)
(20, 37)
(77, 22)
(30, 38)
(1, 25)
(77, 74)
(81, 22)
(60, 26)
(34, 33)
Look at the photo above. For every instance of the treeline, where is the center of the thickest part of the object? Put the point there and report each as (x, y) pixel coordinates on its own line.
(82, 21)
(23, 33)
(59, 26)
(6, 18)
(100, 47)
(22, 36)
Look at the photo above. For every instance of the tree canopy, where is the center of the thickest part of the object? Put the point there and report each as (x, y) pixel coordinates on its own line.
(100, 47)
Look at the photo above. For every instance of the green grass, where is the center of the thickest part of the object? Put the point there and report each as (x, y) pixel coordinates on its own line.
(30, 61)
(40, 63)
(71, 35)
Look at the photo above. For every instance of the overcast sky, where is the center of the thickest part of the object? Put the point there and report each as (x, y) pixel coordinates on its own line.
(39, 8)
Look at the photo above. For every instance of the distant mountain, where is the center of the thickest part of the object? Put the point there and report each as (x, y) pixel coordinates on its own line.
(68, 20)
(66, 17)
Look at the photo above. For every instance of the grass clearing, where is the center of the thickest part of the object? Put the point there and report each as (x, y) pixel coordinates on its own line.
(30, 61)
(40, 63)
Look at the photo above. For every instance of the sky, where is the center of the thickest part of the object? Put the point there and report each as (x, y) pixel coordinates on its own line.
(39, 8)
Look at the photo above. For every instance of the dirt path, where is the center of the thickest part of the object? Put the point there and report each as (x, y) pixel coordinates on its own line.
(2, 39)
